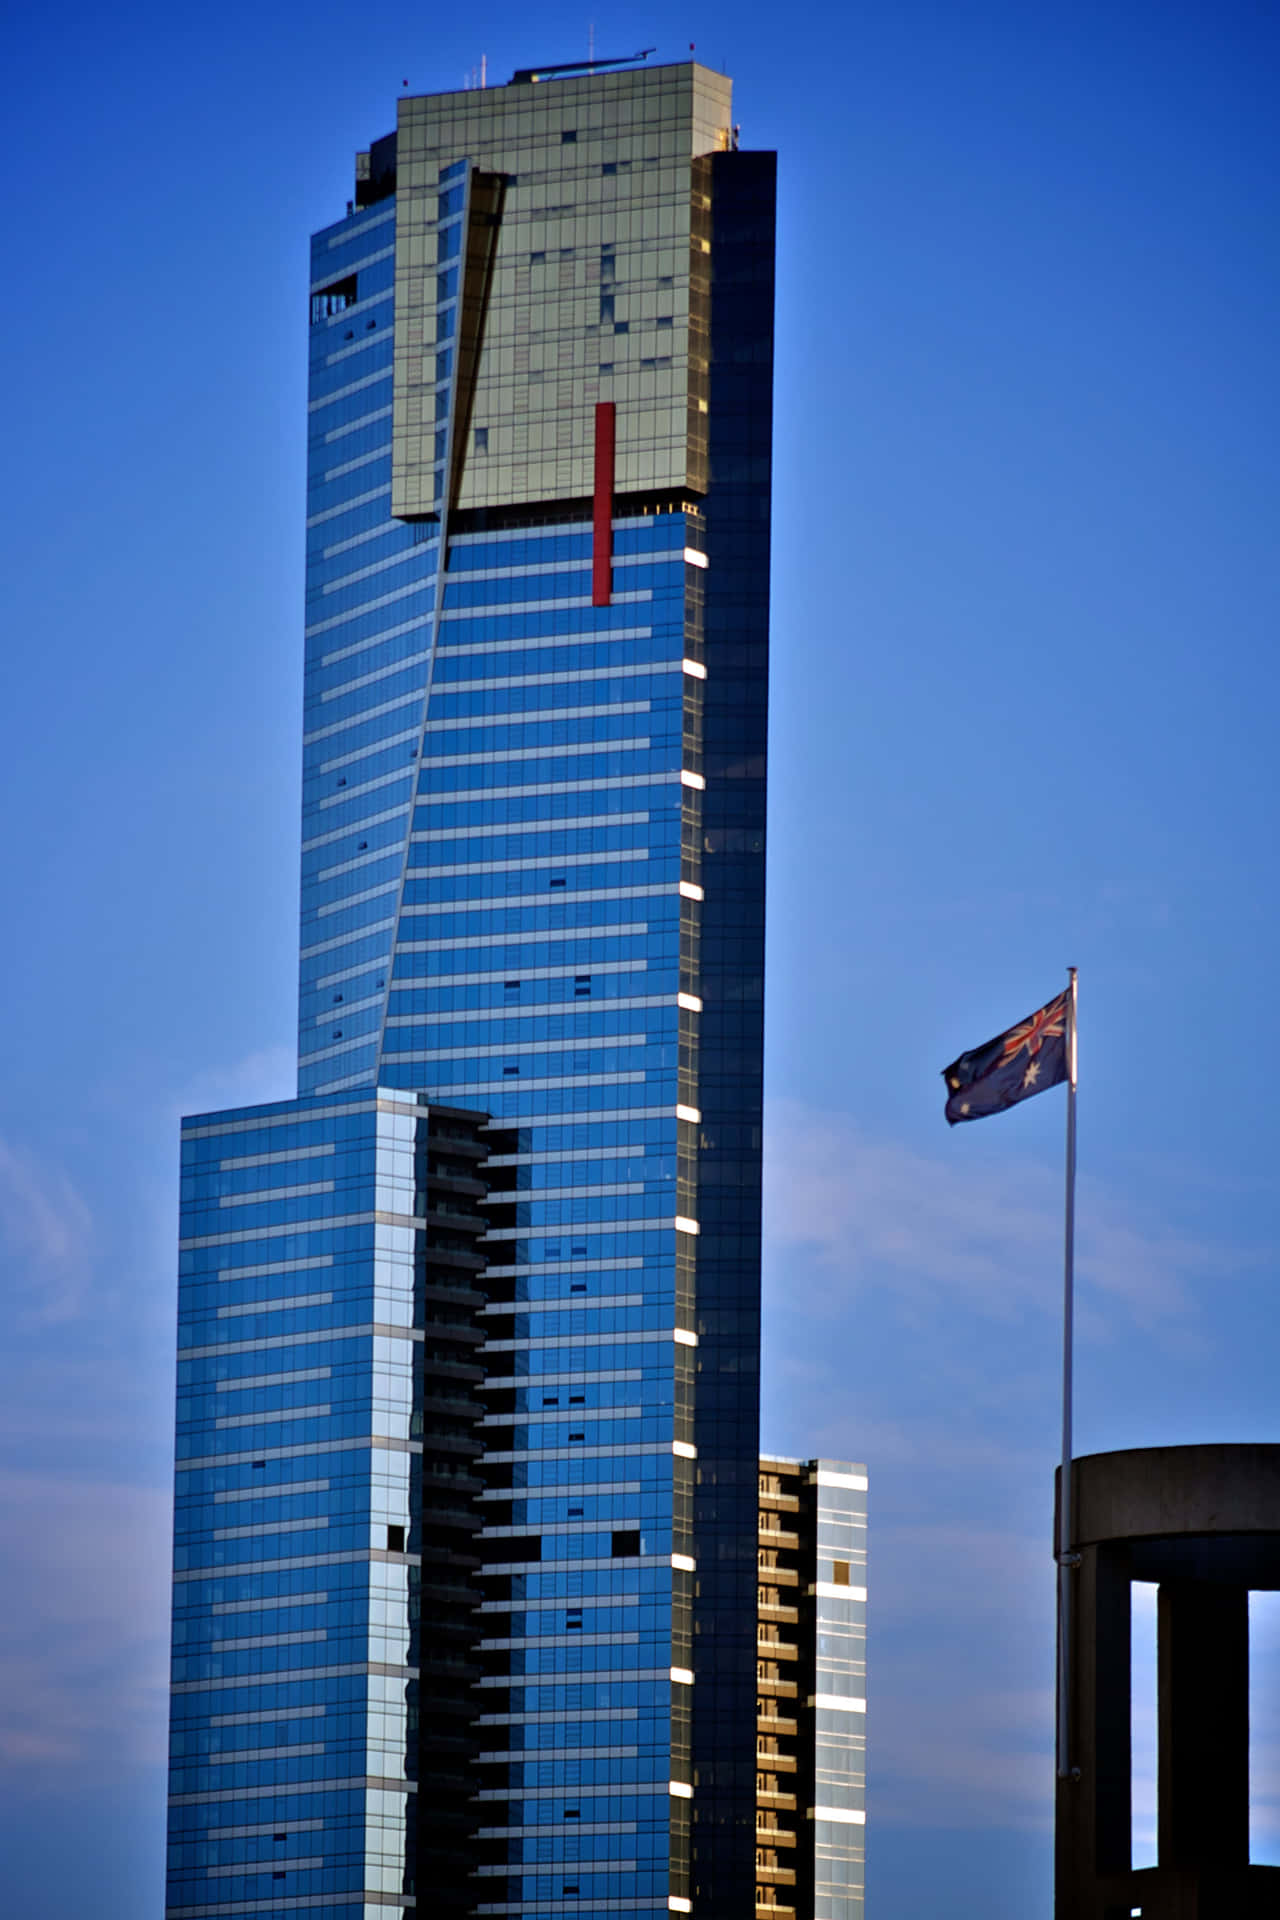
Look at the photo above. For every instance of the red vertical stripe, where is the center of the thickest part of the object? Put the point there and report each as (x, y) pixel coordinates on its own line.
(602, 507)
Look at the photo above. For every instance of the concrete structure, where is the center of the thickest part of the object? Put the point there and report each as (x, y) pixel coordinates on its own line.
(811, 1687)
(1203, 1523)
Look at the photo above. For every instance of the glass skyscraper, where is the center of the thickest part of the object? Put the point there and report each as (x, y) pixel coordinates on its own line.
(465, 1542)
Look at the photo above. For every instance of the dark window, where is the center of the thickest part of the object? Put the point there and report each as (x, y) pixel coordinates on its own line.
(482, 439)
(395, 1539)
(626, 1543)
(839, 1573)
(333, 299)
(569, 137)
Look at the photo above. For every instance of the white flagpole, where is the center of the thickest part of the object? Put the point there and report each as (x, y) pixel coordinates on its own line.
(1065, 1556)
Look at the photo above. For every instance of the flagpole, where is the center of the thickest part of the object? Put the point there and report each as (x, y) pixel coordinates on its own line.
(1065, 1556)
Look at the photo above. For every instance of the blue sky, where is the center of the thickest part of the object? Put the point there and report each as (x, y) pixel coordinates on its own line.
(1026, 596)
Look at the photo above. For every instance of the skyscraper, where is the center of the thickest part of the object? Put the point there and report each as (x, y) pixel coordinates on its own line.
(811, 1690)
(466, 1523)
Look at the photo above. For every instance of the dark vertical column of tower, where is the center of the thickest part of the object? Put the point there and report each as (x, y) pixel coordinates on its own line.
(739, 224)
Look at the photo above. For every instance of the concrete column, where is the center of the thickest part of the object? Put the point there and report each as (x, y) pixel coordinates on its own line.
(1204, 1724)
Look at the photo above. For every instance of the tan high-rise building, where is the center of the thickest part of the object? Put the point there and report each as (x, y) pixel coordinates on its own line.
(811, 1685)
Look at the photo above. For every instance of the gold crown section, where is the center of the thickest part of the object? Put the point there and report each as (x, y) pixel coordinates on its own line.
(601, 241)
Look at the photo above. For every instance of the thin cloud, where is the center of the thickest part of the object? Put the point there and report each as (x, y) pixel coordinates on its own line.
(46, 1239)
(84, 1630)
(259, 1078)
(865, 1212)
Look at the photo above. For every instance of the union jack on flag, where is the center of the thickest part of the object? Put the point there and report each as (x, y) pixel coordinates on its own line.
(1013, 1066)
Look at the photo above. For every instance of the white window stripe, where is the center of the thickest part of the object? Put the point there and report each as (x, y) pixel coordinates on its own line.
(358, 899)
(827, 1590)
(420, 621)
(281, 1417)
(569, 676)
(291, 1301)
(370, 750)
(344, 269)
(350, 466)
(357, 231)
(276, 1159)
(316, 1523)
(354, 386)
(265, 1194)
(558, 603)
(413, 698)
(284, 1490)
(537, 863)
(461, 646)
(269, 1603)
(314, 1260)
(399, 558)
(565, 825)
(431, 981)
(567, 750)
(371, 678)
(354, 426)
(566, 1009)
(255, 1380)
(497, 1050)
(843, 1816)
(369, 606)
(369, 821)
(536, 716)
(349, 506)
(536, 938)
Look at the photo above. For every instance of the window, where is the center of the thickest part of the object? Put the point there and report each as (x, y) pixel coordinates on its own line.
(333, 300)
(482, 439)
(839, 1573)
(569, 137)
(626, 1543)
(395, 1539)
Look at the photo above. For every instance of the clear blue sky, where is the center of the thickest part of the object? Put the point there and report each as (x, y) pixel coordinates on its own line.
(1025, 624)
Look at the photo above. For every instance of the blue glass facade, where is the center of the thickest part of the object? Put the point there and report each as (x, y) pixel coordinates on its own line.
(532, 889)
(317, 1333)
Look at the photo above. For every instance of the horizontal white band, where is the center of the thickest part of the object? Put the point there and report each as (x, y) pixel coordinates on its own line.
(838, 1701)
(856, 1481)
(843, 1816)
(828, 1590)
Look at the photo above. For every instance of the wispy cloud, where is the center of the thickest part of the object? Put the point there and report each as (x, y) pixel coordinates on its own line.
(83, 1633)
(269, 1074)
(46, 1239)
(865, 1212)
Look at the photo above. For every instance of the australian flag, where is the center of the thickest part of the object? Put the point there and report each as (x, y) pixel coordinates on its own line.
(1013, 1066)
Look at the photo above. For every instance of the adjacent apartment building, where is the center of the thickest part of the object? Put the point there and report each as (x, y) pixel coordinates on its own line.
(811, 1690)
(466, 1521)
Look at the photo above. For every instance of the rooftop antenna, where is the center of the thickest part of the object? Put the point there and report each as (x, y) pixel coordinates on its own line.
(484, 69)
(524, 76)
(591, 42)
